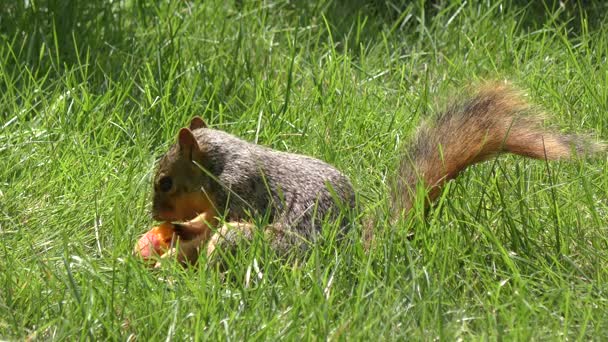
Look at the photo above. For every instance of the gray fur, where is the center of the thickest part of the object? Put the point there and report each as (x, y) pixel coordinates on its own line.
(252, 180)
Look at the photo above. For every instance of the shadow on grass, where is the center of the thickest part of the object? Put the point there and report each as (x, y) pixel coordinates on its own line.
(68, 29)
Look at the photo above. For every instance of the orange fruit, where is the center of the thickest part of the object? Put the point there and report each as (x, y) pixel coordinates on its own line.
(156, 241)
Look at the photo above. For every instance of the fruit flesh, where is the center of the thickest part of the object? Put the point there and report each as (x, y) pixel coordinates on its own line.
(190, 236)
(156, 241)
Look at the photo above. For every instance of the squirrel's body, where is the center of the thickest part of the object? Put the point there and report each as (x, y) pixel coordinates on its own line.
(209, 173)
(254, 180)
(295, 193)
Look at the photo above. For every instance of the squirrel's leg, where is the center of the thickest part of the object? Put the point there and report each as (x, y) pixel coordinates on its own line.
(233, 235)
(229, 236)
(227, 240)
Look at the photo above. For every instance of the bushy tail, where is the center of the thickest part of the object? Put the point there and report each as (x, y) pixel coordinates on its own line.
(496, 120)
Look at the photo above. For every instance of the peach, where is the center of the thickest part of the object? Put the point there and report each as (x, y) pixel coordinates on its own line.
(155, 242)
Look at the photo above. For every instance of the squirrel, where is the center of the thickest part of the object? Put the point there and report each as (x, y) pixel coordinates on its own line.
(208, 172)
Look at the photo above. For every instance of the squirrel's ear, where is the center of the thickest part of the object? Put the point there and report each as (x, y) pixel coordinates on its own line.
(197, 122)
(187, 143)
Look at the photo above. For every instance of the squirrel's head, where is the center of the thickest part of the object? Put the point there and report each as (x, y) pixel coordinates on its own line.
(180, 179)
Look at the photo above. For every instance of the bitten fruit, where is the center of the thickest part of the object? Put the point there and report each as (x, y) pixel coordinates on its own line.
(155, 242)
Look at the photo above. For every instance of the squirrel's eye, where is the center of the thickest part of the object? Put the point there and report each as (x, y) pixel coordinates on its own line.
(165, 184)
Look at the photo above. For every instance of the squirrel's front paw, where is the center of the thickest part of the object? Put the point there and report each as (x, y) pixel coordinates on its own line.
(169, 241)
(184, 252)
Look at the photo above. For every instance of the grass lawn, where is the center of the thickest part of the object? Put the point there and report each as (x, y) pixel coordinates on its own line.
(93, 92)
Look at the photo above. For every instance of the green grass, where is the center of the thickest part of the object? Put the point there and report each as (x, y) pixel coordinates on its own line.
(91, 93)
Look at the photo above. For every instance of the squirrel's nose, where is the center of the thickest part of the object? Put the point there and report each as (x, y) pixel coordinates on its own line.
(163, 217)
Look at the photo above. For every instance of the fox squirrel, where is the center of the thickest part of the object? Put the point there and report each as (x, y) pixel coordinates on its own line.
(208, 172)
